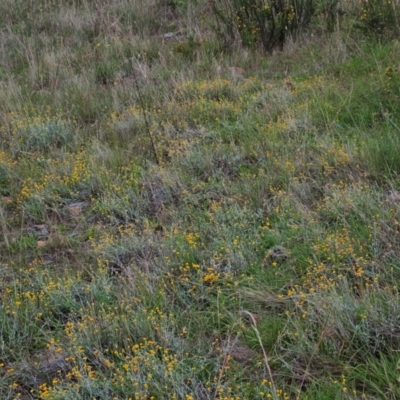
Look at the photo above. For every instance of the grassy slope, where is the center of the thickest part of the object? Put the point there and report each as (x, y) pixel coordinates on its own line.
(259, 258)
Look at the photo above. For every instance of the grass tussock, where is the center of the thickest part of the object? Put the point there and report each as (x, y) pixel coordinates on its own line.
(185, 217)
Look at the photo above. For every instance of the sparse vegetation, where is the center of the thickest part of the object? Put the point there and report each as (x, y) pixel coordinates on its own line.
(186, 216)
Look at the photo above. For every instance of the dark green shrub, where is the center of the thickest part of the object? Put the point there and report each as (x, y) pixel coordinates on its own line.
(265, 22)
(329, 10)
(105, 73)
(380, 17)
(4, 180)
(188, 47)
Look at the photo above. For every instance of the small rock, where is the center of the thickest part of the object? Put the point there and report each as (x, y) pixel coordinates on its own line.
(171, 35)
(76, 208)
(168, 35)
(120, 74)
(41, 243)
(41, 230)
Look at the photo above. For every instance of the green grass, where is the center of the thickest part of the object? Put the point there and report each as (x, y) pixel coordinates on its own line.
(252, 252)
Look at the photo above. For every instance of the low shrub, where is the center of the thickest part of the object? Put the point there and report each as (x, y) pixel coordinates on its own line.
(39, 133)
(269, 22)
(379, 17)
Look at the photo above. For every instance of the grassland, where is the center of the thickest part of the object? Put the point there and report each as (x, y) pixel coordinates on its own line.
(184, 219)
